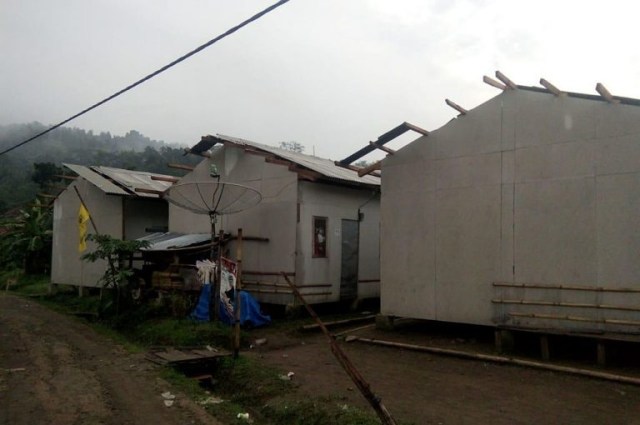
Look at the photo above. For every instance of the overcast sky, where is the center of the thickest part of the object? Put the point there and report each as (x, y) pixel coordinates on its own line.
(330, 74)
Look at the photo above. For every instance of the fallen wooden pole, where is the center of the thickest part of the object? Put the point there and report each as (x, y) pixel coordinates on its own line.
(502, 360)
(346, 364)
(368, 318)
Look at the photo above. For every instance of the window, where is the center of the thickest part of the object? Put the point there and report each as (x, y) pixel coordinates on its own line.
(319, 237)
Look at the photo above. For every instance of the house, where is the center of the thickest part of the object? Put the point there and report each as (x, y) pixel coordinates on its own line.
(317, 222)
(123, 204)
(523, 212)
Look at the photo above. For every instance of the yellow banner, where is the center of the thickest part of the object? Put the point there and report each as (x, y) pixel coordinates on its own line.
(83, 217)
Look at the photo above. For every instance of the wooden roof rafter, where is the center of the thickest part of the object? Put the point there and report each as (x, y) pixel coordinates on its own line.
(602, 90)
(381, 141)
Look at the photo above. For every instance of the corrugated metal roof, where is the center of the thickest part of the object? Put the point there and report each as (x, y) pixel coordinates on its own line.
(135, 179)
(324, 166)
(96, 179)
(117, 181)
(172, 240)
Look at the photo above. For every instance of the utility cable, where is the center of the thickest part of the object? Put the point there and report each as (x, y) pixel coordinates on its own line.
(153, 74)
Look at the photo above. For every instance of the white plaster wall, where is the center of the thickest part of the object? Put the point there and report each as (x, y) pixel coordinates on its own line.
(526, 188)
(106, 210)
(337, 203)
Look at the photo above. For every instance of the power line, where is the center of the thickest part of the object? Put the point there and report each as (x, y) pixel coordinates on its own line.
(153, 74)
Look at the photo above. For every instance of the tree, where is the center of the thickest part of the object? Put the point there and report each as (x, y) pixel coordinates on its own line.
(292, 146)
(114, 251)
(362, 163)
(26, 239)
(44, 173)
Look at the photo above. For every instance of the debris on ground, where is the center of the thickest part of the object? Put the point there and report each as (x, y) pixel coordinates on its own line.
(210, 400)
(287, 377)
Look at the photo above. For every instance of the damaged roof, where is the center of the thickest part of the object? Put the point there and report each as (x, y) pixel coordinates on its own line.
(117, 181)
(171, 240)
(325, 167)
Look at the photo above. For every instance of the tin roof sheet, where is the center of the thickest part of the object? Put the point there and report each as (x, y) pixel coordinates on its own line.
(172, 240)
(96, 179)
(324, 166)
(117, 181)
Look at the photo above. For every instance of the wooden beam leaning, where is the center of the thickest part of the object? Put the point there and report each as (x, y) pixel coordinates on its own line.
(600, 88)
(354, 168)
(369, 168)
(181, 167)
(383, 148)
(500, 76)
(553, 89)
(165, 179)
(456, 107)
(494, 83)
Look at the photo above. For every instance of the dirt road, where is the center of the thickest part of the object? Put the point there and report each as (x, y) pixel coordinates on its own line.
(56, 370)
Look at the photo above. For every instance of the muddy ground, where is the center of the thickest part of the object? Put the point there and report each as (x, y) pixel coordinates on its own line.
(57, 370)
(432, 389)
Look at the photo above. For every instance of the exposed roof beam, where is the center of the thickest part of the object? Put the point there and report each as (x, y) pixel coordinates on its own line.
(369, 168)
(386, 137)
(494, 83)
(353, 168)
(382, 148)
(553, 89)
(456, 107)
(500, 76)
(605, 93)
(150, 191)
(165, 179)
(181, 167)
(59, 176)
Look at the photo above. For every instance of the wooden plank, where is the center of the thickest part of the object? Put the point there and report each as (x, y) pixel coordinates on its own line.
(600, 88)
(577, 319)
(563, 287)
(493, 83)
(565, 304)
(165, 179)
(181, 167)
(507, 82)
(382, 148)
(456, 107)
(553, 89)
(369, 168)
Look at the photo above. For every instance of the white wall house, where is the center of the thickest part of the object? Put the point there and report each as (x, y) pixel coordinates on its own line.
(523, 212)
(118, 208)
(318, 222)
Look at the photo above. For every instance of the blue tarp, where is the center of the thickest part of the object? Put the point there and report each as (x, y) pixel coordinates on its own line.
(201, 312)
(250, 314)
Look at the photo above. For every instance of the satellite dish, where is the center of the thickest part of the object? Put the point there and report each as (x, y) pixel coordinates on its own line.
(212, 198)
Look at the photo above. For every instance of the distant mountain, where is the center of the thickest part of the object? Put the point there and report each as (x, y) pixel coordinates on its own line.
(132, 151)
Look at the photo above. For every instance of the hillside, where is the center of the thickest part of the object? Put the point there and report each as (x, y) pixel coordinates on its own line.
(132, 151)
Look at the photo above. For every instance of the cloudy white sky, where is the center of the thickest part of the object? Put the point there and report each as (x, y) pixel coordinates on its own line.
(330, 74)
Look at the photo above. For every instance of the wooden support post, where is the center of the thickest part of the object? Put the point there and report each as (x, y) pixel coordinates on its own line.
(497, 336)
(507, 82)
(349, 368)
(544, 347)
(216, 286)
(553, 89)
(456, 107)
(504, 341)
(602, 353)
(494, 83)
(238, 303)
(606, 94)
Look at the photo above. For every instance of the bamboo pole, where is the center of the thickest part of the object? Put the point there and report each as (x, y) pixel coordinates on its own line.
(93, 223)
(553, 89)
(507, 82)
(563, 304)
(494, 83)
(216, 286)
(576, 319)
(563, 287)
(346, 364)
(602, 90)
(456, 107)
(238, 304)
(502, 360)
